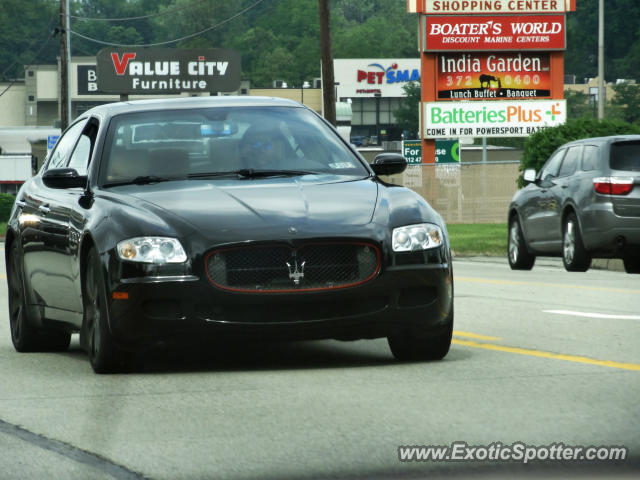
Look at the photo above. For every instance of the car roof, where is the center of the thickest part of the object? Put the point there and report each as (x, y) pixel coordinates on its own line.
(117, 108)
(603, 140)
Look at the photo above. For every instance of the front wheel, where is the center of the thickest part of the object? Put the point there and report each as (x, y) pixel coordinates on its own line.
(413, 345)
(574, 255)
(632, 263)
(104, 355)
(24, 336)
(519, 256)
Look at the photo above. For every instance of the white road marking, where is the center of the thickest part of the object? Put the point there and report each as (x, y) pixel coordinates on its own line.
(593, 315)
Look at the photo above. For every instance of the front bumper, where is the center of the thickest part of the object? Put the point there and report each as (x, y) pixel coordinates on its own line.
(188, 308)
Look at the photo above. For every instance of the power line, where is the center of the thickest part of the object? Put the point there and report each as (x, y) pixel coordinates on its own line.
(213, 27)
(31, 62)
(141, 17)
(30, 45)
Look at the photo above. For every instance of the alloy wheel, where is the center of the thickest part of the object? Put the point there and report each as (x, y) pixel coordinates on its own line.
(514, 238)
(569, 244)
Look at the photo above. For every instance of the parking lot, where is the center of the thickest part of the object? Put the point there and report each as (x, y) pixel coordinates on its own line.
(539, 357)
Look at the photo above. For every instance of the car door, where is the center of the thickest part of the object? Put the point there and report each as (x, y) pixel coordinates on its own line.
(46, 246)
(559, 192)
(537, 209)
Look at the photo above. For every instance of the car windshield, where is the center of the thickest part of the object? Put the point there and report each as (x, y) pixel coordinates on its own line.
(209, 142)
(625, 156)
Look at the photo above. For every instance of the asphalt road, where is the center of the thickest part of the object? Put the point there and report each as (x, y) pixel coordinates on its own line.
(540, 357)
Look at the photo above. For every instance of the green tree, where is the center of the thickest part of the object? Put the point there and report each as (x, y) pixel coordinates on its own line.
(24, 28)
(627, 99)
(408, 114)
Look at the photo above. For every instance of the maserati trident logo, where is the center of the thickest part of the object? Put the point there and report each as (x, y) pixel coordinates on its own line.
(296, 272)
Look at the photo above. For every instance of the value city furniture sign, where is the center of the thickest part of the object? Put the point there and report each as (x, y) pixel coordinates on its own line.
(491, 119)
(167, 70)
(468, 76)
(441, 7)
(473, 32)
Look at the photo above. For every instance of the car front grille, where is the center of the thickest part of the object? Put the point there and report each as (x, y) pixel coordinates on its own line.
(284, 268)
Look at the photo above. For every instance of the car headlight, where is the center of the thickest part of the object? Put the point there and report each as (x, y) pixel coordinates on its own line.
(152, 250)
(417, 237)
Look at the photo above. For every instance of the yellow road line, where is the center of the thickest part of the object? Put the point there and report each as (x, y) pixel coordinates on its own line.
(542, 284)
(555, 356)
(458, 333)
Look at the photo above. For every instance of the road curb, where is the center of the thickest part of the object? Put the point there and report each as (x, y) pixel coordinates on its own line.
(611, 264)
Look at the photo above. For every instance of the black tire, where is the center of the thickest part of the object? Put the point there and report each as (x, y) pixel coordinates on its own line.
(412, 345)
(104, 355)
(631, 263)
(24, 336)
(519, 256)
(574, 255)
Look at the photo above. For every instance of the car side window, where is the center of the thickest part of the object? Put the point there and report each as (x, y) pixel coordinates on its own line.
(552, 167)
(590, 158)
(65, 145)
(81, 154)
(570, 162)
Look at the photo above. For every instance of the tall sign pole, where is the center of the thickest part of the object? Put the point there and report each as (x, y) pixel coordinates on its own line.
(328, 79)
(601, 93)
(67, 28)
(65, 112)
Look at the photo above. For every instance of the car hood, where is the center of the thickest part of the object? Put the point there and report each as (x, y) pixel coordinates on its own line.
(302, 203)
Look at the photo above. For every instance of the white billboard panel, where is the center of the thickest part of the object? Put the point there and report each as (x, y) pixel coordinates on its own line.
(491, 119)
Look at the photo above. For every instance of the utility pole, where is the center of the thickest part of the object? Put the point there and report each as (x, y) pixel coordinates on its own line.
(328, 79)
(601, 91)
(65, 100)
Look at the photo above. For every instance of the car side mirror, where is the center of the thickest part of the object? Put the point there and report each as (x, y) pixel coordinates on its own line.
(389, 164)
(64, 178)
(529, 175)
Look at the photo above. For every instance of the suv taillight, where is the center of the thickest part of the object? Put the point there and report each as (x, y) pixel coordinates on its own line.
(613, 185)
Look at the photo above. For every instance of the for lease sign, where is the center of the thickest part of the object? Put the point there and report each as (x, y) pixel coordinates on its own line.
(440, 7)
(491, 119)
(477, 32)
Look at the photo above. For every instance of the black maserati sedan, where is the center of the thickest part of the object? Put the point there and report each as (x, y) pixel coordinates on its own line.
(218, 218)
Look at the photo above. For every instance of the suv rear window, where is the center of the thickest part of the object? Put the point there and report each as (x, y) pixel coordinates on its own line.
(625, 156)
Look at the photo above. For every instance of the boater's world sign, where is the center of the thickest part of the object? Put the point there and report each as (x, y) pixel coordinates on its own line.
(167, 70)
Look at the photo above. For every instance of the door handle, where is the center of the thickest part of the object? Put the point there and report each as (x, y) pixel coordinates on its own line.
(564, 185)
(44, 208)
(21, 204)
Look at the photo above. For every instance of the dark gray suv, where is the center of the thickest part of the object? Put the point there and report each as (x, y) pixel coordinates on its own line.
(584, 203)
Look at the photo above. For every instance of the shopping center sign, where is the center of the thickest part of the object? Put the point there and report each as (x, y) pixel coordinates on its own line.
(491, 119)
(481, 33)
(444, 7)
(167, 70)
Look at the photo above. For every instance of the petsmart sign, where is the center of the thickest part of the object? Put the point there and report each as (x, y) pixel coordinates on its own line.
(167, 70)
(368, 77)
(491, 119)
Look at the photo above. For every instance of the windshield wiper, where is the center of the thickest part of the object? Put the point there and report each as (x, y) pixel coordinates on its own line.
(211, 174)
(142, 180)
(251, 173)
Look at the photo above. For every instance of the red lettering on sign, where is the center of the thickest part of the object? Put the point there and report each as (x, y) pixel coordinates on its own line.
(121, 65)
(362, 75)
(380, 76)
(371, 77)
